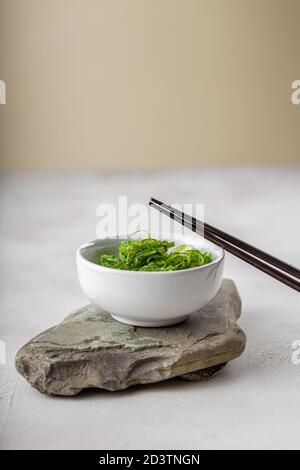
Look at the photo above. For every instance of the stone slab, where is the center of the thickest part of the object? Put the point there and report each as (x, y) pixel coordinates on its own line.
(91, 350)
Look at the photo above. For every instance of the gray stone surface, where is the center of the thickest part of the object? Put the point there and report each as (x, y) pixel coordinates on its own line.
(89, 349)
(253, 405)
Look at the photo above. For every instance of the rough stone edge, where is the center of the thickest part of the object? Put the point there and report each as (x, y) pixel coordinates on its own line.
(204, 374)
(174, 371)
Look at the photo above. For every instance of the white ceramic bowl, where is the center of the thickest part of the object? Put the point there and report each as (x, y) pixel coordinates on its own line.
(148, 298)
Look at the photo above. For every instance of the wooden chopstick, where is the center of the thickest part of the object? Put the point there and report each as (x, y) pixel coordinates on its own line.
(283, 266)
(193, 224)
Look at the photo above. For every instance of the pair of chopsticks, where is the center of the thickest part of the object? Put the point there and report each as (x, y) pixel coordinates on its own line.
(285, 273)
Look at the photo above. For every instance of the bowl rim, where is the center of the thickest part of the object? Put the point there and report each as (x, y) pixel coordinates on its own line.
(104, 269)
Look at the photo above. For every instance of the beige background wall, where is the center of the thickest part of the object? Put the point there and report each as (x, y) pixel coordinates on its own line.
(144, 83)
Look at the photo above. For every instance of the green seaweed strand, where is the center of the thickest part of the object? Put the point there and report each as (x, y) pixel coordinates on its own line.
(150, 254)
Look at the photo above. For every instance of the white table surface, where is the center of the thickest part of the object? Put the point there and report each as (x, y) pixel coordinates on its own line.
(253, 403)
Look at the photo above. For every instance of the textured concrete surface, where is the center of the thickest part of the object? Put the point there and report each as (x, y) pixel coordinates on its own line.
(253, 403)
(89, 349)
